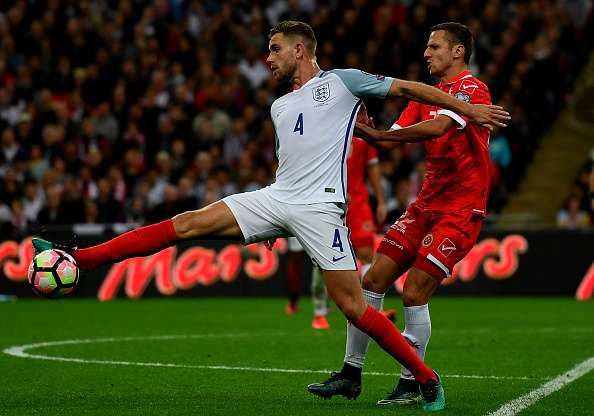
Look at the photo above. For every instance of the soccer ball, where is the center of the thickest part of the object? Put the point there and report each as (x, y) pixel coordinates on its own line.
(53, 274)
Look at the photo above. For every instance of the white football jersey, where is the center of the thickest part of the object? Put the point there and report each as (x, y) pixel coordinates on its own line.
(314, 126)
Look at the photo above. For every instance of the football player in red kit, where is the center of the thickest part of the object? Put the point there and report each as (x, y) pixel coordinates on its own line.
(441, 226)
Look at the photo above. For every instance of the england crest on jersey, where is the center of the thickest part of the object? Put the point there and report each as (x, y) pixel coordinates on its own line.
(322, 92)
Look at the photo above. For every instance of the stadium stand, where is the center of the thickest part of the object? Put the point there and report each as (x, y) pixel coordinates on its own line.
(578, 209)
(131, 111)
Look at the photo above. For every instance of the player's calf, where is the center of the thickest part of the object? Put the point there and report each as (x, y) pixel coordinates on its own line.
(344, 288)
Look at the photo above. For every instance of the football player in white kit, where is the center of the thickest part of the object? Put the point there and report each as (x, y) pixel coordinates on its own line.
(314, 125)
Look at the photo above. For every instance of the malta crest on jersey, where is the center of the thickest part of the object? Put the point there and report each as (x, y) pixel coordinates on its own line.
(322, 92)
(462, 96)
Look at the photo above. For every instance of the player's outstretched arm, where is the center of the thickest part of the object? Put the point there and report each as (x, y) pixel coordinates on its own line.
(425, 130)
(485, 115)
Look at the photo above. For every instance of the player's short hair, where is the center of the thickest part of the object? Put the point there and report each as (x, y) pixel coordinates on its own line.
(458, 33)
(296, 28)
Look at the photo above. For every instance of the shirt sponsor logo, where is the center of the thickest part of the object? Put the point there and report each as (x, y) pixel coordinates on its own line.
(321, 93)
(447, 247)
(392, 243)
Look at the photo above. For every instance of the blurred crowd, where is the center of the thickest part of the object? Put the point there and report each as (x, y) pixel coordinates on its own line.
(132, 111)
(578, 210)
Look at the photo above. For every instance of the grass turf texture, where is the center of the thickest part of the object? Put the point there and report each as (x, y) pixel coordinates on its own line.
(520, 337)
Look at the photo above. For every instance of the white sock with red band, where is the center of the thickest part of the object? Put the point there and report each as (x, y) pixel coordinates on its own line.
(358, 341)
(417, 330)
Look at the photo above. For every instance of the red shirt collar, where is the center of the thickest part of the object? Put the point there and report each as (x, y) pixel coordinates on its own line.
(456, 79)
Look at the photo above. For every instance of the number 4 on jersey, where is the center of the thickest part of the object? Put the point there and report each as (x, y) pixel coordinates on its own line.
(299, 125)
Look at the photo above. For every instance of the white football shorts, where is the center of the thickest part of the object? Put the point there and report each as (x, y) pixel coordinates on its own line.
(320, 227)
(293, 245)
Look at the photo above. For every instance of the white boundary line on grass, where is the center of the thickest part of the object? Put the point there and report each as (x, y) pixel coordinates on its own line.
(20, 351)
(517, 405)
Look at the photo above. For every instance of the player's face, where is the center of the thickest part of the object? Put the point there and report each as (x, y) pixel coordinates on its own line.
(281, 58)
(439, 53)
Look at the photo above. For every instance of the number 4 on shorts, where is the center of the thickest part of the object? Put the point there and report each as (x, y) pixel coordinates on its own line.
(337, 241)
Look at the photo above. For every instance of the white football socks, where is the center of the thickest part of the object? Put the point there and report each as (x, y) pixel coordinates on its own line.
(417, 330)
(357, 341)
(318, 293)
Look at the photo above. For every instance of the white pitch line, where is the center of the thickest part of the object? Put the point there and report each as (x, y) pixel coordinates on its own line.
(508, 330)
(516, 406)
(20, 351)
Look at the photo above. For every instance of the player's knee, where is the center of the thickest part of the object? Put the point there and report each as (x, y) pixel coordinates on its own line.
(412, 296)
(350, 308)
(365, 254)
(374, 282)
(418, 288)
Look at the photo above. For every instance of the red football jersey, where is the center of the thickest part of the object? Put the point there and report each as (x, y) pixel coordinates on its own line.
(360, 156)
(457, 175)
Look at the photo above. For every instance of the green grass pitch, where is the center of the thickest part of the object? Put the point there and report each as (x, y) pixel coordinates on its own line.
(201, 356)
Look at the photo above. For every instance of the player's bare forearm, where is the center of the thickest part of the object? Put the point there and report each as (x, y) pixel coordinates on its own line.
(425, 130)
(426, 94)
(485, 115)
(372, 136)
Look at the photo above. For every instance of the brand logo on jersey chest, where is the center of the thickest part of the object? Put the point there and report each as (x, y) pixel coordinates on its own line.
(321, 93)
(468, 86)
(447, 247)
